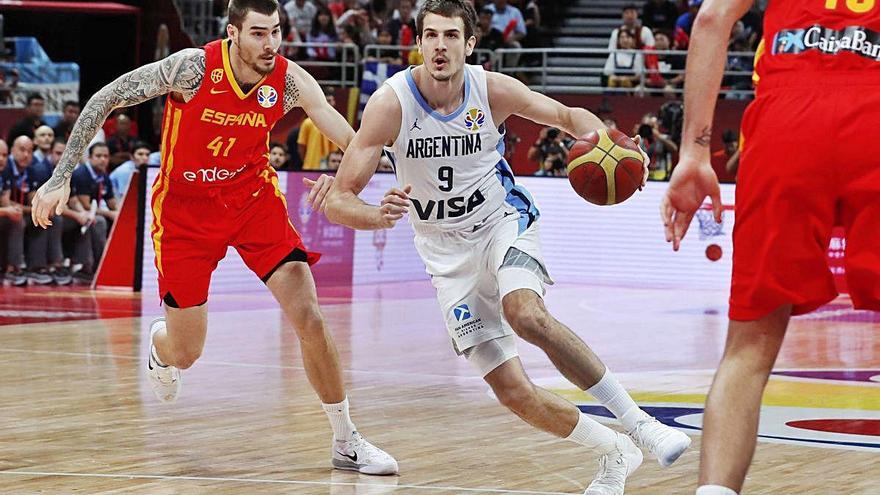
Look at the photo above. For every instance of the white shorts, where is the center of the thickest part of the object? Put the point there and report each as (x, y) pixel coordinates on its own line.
(473, 270)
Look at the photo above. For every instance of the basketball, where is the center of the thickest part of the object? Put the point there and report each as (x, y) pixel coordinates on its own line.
(605, 167)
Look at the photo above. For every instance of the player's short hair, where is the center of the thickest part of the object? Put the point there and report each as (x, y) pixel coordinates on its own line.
(449, 8)
(238, 9)
(99, 144)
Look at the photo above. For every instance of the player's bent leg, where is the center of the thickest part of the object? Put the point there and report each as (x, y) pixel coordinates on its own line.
(526, 313)
(730, 423)
(294, 288)
(176, 343)
(618, 456)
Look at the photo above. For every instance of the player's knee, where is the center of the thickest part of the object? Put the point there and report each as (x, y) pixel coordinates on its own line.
(310, 323)
(529, 321)
(186, 356)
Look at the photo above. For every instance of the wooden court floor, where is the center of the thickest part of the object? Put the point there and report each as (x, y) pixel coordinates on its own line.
(77, 416)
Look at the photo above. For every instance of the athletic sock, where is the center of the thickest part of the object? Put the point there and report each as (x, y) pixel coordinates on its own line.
(611, 394)
(156, 357)
(714, 490)
(593, 435)
(340, 421)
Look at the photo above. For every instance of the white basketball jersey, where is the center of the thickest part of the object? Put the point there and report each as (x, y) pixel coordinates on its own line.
(453, 161)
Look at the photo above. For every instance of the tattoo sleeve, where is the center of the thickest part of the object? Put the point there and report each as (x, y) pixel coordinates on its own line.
(181, 72)
(705, 137)
(291, 93)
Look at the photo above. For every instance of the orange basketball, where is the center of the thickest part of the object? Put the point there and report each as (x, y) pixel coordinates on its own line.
(605, 167)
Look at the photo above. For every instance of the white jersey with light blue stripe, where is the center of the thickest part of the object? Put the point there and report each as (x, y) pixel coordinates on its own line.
(454, 162)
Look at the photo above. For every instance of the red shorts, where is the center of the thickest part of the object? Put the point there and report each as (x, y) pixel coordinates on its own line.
(193, 227)
(809, 162)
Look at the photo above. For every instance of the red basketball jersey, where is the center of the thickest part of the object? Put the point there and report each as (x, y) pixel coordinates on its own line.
(222, 134)
(806, 37)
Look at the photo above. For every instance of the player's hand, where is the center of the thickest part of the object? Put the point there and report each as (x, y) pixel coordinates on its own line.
(48, 203)
(393, 206)
(691, 182)
(646, 162)
(319, 190)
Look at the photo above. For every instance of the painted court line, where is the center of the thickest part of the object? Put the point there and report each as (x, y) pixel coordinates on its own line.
(277, 482)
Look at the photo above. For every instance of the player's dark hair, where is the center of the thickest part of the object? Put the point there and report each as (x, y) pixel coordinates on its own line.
(99, 144)
(238, 9)
(449, 8)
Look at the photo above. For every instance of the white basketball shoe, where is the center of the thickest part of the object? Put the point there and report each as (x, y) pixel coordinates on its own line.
(165, 380)
(615, 467)
(359, 455)
(661, 441)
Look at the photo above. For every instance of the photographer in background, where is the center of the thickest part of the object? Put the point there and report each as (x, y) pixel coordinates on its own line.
(659, 146)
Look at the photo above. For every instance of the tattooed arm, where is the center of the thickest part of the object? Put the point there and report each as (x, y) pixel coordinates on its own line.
(693, 178)
(180, 73)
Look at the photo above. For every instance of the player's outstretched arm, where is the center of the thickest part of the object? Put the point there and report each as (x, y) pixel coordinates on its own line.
(694, 178)
(509, 96)
(181, 72)
(301, 89)
(380, 125)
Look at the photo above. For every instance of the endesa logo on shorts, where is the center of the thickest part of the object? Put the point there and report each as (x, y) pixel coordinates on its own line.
(853, 39)
(211, 175)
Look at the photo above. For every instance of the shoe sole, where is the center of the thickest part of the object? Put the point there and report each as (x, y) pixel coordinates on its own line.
(347, 465)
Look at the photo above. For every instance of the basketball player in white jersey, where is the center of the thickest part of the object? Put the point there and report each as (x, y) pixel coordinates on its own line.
(477, 234)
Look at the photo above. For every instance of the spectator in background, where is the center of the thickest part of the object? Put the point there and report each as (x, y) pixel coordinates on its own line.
(403, 27)
(120, 141)
(58, 148)
(610, 123)
(277, 156)
(685, 22)
(69, 114)
(509, 20)
(624, 69)
(44, 136)
(753, 23)
(33, 118)
(334, 159)
(725, 161)
(90, 183)
(660, 14)
(387, 56)
(314, 146)
(339, 7)
(490, 38)
(300, 14)
(11, 228)
(289, 34)
(643, 35)
(14, 179)
(659, 147)
(669, 74)
(532, 16)
(549, 140)
(323, 31)
(121, 175)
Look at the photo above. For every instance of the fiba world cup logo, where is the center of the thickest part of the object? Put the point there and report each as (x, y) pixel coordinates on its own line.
(474, 119)
(267, 96)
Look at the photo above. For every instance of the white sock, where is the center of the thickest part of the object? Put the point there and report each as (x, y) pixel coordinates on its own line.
(593, 435)
(609, 392)
(714, 490)
(156, 357)
(340, 421)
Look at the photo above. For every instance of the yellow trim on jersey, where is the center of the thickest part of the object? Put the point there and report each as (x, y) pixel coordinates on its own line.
(759, 52)
(227, 67)
(271, 177)
(167, 166)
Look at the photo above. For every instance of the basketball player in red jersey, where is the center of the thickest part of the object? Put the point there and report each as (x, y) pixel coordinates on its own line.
(805, 165)
(216, 189)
